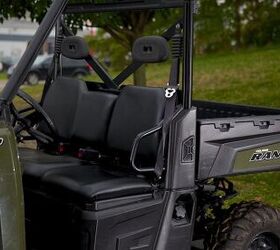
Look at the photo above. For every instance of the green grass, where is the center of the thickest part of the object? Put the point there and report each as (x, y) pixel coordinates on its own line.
(261, 187)
(3, 76)
(34, 91)
(251, 77)
(246, 77)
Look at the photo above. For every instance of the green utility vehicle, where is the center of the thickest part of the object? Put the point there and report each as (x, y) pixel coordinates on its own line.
(126, 167)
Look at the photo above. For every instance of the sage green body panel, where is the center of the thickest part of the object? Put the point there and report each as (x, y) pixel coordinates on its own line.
(11, 194)
(247, 155)
(245, 159)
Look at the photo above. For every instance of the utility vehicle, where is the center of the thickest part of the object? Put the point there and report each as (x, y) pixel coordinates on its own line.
(127, 167)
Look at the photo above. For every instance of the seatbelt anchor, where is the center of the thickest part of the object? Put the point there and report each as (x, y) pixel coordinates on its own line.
(170, 91)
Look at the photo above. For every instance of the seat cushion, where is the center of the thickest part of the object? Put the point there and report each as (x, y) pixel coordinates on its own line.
(36, 163)
(89, 183)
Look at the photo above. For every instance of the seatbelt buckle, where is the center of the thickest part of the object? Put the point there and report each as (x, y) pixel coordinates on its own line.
(60, 148)
(170, 91)
(88, 154)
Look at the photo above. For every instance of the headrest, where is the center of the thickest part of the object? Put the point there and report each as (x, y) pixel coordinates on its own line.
(150, 49)
(74, 47)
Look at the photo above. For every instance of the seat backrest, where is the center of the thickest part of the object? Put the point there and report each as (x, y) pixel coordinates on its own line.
(61, 103)
(136, 110)
(93, 116)
(78, 114)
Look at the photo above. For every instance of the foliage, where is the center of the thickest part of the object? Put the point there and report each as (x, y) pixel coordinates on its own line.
(224, 24)
(14, 8)
(120, 53)
(108, 49)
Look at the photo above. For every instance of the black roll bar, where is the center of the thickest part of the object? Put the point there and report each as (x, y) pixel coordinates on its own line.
(111, 6)
(189, 10)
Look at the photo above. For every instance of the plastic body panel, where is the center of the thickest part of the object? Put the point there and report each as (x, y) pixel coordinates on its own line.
(181, 167)
(177, 233)
(121, 225)
(223, 140)
(143, 222)
(174, 233)
(11, 195)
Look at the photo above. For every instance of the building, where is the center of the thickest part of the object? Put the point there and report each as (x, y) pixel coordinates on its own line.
(15, 35)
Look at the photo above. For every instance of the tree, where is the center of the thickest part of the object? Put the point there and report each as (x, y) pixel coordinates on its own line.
(129, 26)
(227, 24)
(262, 24)
(210, 33)
(220, 24)
(124, 27)
(237, 5)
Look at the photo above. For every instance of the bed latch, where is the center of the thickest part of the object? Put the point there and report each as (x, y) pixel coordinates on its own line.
(263, 124)
(224, 127)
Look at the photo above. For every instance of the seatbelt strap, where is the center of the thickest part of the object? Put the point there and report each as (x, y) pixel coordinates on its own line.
(171, 99)
(170, 105)
(51, 71)
(48, 81)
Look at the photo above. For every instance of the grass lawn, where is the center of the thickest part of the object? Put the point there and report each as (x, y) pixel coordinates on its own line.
(247, 77)
(3, 76)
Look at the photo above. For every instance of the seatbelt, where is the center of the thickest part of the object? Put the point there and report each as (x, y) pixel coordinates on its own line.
(171, 99)
(48, 81)
(53, 67)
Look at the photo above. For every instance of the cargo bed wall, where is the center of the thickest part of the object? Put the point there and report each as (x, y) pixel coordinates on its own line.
(229, 146)
(208, 110)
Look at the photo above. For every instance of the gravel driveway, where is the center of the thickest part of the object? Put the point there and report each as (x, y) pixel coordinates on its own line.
(2, 84)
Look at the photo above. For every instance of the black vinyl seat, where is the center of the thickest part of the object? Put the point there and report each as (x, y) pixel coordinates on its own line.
(79, 116)
(36, 163)
(89, 183)
(137, 109)
(103, 121)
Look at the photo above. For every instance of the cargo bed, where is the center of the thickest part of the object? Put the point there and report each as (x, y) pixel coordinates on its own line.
(233, 139)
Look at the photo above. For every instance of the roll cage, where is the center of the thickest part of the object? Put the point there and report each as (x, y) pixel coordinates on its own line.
(60, 7)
